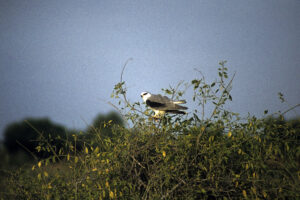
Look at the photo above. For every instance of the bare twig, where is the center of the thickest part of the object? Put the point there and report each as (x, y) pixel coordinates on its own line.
(127, 61)
(200, 73)
(290, 109)
(124, 90)
(174, 188)
(137, 161)
(121, 80)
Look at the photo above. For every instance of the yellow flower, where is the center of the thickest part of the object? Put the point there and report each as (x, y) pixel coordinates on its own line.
(239, 151)
(250, 124)
(229, 134)
(245, 193)
(111, 194)
(265, 194)
(96, 150)
(40, 164)
(202, 128)
(253, 190)
(164, 154)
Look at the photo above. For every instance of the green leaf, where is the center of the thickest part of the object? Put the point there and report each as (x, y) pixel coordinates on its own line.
(196, 117)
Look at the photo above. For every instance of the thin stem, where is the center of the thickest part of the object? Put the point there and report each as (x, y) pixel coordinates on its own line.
(216, 107)
(290, 109)
(124, 90)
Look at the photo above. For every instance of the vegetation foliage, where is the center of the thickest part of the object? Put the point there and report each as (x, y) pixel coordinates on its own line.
(216, 155)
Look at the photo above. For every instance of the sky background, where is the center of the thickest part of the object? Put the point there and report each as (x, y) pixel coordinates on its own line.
(61, 59)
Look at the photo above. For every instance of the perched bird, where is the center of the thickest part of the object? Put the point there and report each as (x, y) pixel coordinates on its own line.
(162, 104)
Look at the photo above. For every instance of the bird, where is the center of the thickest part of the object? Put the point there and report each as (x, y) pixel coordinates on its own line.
(162, 104)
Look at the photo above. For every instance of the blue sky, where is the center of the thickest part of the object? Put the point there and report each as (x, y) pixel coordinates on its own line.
(60, 59)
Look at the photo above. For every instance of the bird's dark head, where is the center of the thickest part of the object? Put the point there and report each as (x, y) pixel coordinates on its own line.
(145, 95)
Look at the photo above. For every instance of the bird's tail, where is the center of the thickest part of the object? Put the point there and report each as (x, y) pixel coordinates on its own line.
(181, 107)
(180, 102)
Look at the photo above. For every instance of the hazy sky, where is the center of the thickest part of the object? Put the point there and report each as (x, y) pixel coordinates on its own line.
(60, 58)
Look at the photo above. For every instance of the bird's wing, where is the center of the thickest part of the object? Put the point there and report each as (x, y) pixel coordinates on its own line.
(157, 101)
(163, 103)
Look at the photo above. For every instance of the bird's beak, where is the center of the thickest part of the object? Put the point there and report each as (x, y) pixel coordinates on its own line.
(141, 95)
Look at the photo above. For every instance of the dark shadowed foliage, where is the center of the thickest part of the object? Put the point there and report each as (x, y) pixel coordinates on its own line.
(105, 123)
(25, 136)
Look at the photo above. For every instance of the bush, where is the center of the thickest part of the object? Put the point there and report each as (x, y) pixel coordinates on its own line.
(195, 157)
(24, 137)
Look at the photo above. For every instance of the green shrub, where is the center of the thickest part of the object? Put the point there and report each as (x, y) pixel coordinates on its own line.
(195, 157)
